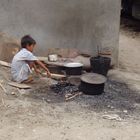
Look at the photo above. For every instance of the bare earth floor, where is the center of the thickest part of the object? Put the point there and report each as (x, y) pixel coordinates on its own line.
(41, 114)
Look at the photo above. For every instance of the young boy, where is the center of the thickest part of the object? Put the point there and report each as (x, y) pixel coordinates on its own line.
(24, 61)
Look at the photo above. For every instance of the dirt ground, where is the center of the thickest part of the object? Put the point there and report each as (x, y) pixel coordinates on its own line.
(41, 114)
(129, 45)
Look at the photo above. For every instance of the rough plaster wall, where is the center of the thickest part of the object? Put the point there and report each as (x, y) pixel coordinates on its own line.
(81, 24)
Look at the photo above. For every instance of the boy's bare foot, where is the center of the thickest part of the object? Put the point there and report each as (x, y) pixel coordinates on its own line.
(28, 81)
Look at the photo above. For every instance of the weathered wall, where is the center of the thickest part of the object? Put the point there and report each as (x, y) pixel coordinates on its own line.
(81, 24)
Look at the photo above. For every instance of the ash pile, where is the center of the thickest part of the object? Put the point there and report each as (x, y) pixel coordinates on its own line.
(66, 89)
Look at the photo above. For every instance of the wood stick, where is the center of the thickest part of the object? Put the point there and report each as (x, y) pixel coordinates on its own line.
(69, 98)
(3, 87)
(55, 76)
(3, 101)
(6, 64)
(17, 85)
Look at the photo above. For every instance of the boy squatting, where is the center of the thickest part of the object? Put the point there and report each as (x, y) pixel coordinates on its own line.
(24, 61)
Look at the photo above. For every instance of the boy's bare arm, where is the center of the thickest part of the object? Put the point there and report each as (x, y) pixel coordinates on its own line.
(43, 66)
(36, 69)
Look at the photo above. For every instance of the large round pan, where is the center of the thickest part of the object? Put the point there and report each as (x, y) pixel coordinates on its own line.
(73, 68)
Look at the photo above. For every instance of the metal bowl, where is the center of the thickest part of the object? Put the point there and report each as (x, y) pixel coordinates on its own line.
(53, 57)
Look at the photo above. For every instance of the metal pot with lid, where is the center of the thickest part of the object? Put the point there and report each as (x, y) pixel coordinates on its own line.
(92, 83)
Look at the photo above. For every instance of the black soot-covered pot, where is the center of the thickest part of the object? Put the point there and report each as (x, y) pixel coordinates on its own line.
(92, 83)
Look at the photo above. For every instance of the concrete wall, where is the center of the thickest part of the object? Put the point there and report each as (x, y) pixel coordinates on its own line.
(81, 24)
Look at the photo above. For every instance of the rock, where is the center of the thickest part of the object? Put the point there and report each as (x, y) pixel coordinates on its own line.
(48, 100)
(110, 107)
(13, 93)
(125, 111)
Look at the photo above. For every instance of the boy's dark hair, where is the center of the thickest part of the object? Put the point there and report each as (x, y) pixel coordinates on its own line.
(27, 40)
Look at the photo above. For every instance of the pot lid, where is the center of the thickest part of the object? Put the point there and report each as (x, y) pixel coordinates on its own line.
(73, 64)
(93, 78)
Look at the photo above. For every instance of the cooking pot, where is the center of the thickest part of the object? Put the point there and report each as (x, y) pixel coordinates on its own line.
(55, 69)
(92, 83)
(52, 57)
(100, 64)
(73, 68)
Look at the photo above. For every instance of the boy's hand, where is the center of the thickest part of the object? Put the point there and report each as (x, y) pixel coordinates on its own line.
(44, 67)
(48, 74)
(38, 71)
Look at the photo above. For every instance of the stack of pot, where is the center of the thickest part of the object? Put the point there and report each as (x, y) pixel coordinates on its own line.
(91, 83)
